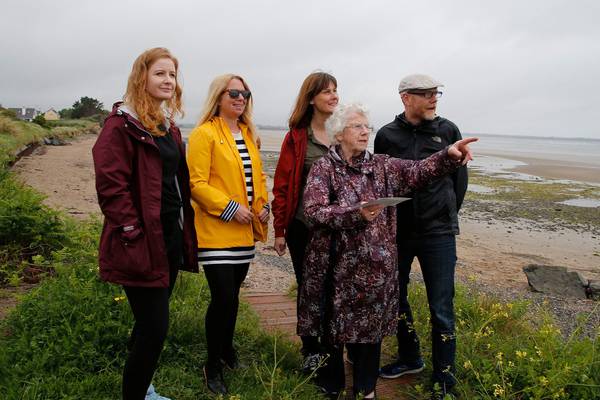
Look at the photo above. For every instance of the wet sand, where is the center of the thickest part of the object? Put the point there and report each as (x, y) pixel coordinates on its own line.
(554, 169)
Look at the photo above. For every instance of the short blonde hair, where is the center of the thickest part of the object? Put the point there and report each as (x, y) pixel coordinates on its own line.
(336, 123)
(211, 104)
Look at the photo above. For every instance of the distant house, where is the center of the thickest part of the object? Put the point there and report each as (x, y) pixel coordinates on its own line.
(26, 114)
(51, 115)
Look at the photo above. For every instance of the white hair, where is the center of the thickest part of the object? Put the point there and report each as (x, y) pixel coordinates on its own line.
(337, 121)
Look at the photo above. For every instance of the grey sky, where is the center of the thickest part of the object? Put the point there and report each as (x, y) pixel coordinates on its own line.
(510, 67)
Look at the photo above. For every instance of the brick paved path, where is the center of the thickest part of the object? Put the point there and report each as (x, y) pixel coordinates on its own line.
(277, 312)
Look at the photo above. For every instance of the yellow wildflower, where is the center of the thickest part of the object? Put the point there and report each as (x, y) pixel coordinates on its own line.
(498, 390)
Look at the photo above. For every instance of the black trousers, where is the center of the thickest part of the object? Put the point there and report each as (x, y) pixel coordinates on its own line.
(150, 307)
(297, 240)
(224, 281)
(365, 357)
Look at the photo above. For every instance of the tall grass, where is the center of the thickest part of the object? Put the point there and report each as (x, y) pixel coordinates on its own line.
(509, 351)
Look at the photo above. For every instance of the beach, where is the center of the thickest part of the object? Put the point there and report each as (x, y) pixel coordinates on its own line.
(492, 247)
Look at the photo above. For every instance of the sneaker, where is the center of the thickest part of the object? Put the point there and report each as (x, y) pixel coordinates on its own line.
(397, 369)
(152, 395)
(311, 362)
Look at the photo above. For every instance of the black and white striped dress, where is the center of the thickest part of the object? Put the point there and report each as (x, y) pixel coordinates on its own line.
(233, 255)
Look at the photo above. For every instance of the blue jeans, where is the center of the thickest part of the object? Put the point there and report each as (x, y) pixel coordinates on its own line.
(437, 257)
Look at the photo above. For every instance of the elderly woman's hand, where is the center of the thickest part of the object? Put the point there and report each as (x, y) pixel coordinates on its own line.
(460, 150)
(371, 212)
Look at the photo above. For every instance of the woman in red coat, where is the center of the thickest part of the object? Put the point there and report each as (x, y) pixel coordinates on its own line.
(142, 184)
(305, 143)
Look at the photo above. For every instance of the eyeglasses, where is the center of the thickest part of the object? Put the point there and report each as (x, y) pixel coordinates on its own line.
(235, 93)
(428, 94)
(360, 127)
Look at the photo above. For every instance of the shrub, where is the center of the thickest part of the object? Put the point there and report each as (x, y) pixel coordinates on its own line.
(4, 112)
(40, 120)
(7, 125)
(28, 228)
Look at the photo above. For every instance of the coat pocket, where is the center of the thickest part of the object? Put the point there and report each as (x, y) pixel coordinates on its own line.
(131, 253)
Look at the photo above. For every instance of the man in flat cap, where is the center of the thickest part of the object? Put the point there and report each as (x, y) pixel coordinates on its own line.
(427, 226)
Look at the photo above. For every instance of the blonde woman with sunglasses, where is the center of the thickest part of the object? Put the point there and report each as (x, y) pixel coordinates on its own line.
(230, 200)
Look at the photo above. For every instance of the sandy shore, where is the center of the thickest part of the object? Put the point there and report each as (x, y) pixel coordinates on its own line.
(491, 253)
(554, 169)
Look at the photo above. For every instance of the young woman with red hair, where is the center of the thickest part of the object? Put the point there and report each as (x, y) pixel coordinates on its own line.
(142, 184)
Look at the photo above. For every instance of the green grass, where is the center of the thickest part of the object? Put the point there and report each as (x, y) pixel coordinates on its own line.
(66, 339)
(508, 351)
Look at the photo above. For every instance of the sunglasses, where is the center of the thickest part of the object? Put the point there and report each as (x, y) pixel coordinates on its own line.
(234, 93)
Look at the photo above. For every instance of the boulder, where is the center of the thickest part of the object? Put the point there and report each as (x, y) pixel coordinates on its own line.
(557, 280)
(594, 289)
(54, 141)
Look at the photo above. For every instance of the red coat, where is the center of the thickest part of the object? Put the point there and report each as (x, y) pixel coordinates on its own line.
(128, 181)
(288, 179)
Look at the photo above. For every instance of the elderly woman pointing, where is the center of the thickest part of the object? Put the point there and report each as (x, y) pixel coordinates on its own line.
(349, 290)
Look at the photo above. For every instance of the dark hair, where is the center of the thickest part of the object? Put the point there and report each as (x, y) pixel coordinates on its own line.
(312, 85)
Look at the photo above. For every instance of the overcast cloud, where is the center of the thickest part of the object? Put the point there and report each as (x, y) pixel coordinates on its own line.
(510, 67)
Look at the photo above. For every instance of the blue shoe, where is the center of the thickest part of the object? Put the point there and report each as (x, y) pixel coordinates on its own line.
(397, 369)
(152, 395)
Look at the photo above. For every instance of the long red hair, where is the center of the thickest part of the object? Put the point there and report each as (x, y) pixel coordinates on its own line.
(150, 114)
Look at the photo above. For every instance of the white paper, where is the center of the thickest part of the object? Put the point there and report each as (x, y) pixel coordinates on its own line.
(384, 201)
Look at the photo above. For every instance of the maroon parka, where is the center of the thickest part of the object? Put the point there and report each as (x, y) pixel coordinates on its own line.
(129, 186)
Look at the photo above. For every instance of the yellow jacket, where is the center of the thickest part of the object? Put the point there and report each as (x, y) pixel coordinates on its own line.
(218, 184)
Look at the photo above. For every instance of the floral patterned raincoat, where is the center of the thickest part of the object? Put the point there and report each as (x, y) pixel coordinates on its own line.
(350, 284)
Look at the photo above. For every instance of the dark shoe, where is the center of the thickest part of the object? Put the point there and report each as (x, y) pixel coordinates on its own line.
(442, 392)
(397, 369)
(233, 361)
(330, 393)
(311, 362)
(360, 396)
(214, 380)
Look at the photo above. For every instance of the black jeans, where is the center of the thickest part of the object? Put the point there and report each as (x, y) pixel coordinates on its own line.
(297, 239)
(224, 281)
(365, 357)
(437, 258)
(150, 307)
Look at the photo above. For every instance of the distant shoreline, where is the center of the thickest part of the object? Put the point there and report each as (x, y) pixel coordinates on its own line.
(547, 166)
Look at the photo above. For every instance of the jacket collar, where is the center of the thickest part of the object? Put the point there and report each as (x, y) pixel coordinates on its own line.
(363, 162)
(425, 126)
(122, 109)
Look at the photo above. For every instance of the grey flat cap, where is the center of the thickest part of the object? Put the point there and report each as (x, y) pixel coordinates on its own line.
(418, 82)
